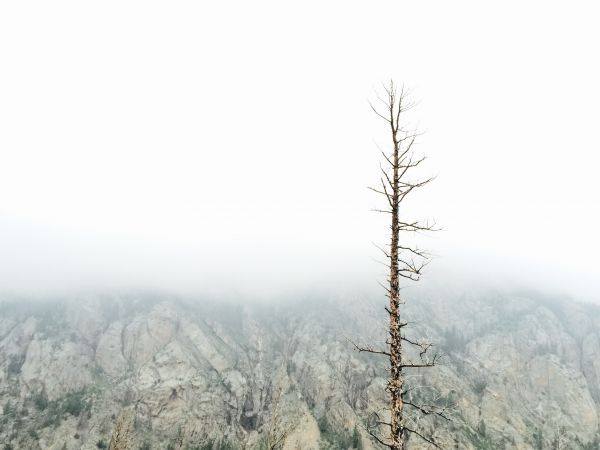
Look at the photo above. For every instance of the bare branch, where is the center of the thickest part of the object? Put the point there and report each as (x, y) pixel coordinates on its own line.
(423, 364)
(387, 177)
(416, 251)
(428, 409)
(424, 346)
(378, 113)
(426, 439)
(387, 255)
(416, 226)
(378, 439)
(386, 157)
(369, 349)
(384, 287)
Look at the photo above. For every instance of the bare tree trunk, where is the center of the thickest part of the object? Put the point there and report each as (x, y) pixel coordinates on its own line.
(395, 381)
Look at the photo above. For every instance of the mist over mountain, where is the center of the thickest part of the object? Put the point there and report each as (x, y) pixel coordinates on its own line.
(187, 256)
(519, 370)
(43, 261)
(238, 149)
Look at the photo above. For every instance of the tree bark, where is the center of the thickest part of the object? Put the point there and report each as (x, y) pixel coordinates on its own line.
(395, 382)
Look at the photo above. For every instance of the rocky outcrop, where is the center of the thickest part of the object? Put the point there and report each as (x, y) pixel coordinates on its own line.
(518, 371)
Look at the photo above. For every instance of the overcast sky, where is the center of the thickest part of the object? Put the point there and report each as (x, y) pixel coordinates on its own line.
(190, 144)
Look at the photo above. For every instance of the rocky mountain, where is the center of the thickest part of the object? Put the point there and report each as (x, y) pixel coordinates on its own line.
(159, 372)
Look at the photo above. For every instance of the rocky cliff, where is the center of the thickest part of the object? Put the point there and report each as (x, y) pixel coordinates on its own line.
(518, 372)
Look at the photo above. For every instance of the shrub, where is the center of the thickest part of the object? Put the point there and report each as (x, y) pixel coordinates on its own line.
(14, 364)
(337, 439)
(454, 341)
(356, 439)
(52, 415)
(8, 410)
(480, 386)
(40, 401)
(73, 403)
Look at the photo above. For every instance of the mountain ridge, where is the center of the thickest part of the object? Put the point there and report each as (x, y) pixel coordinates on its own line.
(519, 371)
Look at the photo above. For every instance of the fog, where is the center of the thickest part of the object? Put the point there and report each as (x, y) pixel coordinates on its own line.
(199, 146)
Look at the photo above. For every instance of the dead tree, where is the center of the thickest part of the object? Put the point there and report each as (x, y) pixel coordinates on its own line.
(405, 261)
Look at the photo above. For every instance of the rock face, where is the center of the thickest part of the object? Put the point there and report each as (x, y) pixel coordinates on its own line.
(519, 372)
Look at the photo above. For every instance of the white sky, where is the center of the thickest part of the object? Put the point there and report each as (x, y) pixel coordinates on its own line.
(183, 144)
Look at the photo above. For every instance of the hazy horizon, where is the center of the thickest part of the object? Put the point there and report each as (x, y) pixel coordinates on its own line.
(217, 147)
